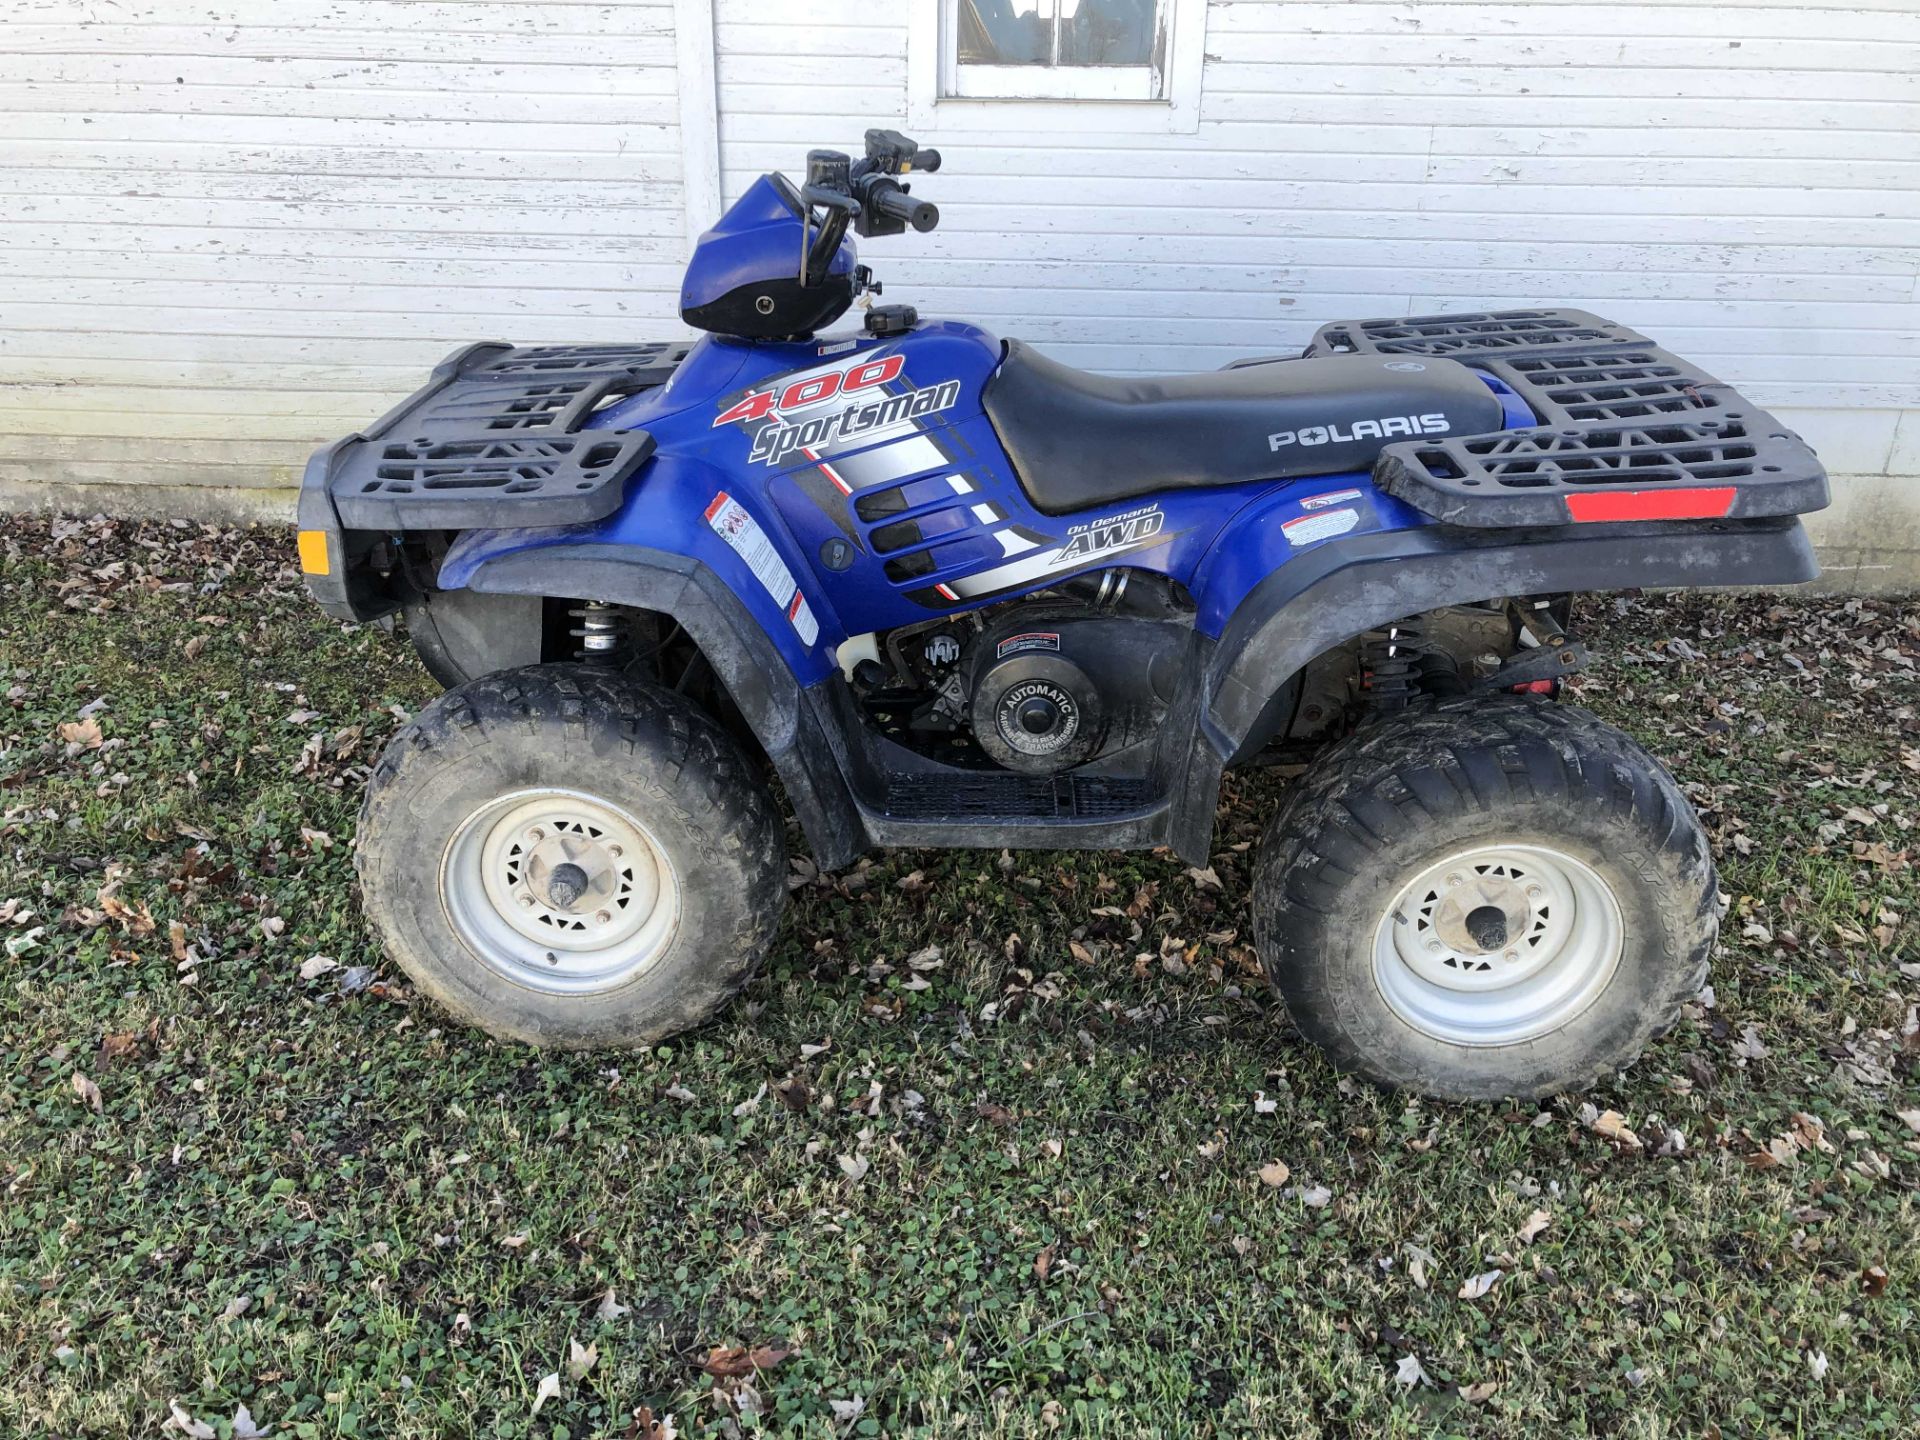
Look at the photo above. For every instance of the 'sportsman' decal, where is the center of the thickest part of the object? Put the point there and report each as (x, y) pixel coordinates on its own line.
(776, 443)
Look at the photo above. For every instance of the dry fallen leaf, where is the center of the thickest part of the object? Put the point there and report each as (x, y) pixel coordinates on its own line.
(1480, 1285)
(1043, 1263)
(85, 734)
(1613, 1125)
(580, 1359)
(549, 1390)
(243, 1426)
(1317, 1197)
(117, 1046)
(735, 1362)
(855, 1167)
(314, 966)
(1536, 1222)
(1417, 1262)
(134, 919)
(1275, 1173)
(179, 1419)
(87, 1091)
(1481, 1393)
(610, 1308)
(1408, 1372)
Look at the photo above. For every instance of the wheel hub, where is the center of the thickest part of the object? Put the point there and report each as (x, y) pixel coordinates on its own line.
(1498, 944)
(560, 890)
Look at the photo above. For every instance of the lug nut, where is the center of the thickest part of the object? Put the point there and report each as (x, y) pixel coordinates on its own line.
(602, 917)
(615, 851)
(536, 833)
(526, 901)
(1456, 880)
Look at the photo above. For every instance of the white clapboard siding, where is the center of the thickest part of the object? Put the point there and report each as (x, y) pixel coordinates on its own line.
(233, 229)
(1741, 180)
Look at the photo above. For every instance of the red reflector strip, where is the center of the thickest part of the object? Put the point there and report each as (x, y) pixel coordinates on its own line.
(1709, 502)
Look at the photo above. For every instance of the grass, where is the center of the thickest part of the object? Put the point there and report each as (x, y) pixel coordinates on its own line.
(1017, 1193)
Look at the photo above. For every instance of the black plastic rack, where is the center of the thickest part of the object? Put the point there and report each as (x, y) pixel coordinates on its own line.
(1481, 335)
(496, 438)
(1628, 430)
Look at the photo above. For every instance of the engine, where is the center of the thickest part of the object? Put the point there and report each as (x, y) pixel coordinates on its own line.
(1040, 685)
(1083, 675)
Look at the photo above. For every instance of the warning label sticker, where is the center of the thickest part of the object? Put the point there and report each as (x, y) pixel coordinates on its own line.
(733, 524)
(1323, 526)
(1330, 497)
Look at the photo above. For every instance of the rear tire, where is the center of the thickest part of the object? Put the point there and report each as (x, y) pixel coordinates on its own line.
(568, 858)
(1485, 898)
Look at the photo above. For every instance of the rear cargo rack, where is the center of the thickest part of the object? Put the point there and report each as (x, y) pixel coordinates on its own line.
(1628, 432)
(1488, 333)
(495, 439)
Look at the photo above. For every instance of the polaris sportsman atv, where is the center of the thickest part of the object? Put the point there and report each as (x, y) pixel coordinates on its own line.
(954, 592)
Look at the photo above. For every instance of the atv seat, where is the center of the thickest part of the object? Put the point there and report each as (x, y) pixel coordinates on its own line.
(1079, 440)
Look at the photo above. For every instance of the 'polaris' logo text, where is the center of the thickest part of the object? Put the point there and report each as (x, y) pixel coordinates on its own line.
(1381, 429)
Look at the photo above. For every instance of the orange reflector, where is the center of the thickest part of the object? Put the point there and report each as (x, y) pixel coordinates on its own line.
(1700, 502)
(313, 553)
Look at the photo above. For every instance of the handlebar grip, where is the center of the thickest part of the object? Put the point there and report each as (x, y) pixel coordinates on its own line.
(927, 160)
(922, 215)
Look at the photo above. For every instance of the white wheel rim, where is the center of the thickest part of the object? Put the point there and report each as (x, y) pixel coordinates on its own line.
(595, 926)
(1498, 944)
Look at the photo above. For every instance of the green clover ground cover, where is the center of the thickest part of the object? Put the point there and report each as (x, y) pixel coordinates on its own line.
(997, 1144)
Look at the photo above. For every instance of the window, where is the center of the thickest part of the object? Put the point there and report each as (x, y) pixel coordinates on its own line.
(1057, 50)
(1141, 56)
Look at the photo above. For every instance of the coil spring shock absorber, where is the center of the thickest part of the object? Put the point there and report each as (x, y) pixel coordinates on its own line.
(598, 631)
(1390, 668)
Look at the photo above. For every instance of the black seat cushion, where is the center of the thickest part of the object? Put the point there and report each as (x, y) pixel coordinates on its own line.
(1079, 440)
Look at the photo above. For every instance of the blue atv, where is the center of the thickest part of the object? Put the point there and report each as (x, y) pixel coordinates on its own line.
(952, 592)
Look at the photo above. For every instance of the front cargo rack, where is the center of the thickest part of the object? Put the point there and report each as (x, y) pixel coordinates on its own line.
(496, 437)
(1628, 431)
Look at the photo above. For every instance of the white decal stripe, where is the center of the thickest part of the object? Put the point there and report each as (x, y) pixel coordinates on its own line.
(1013, 543)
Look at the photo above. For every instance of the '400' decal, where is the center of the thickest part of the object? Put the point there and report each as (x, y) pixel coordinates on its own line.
(814, 389)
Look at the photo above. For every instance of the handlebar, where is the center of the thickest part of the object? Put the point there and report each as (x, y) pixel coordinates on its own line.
(864, 194)
(826, 195)
(890, 199)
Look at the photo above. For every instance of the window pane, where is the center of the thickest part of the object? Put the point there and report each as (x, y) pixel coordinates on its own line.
(1005, 32)
(1106, 32)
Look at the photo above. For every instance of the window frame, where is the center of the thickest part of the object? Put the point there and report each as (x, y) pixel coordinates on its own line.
(1003, 97)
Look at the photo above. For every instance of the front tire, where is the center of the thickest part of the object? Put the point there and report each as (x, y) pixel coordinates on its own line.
(568, 858)
(1485, 898)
